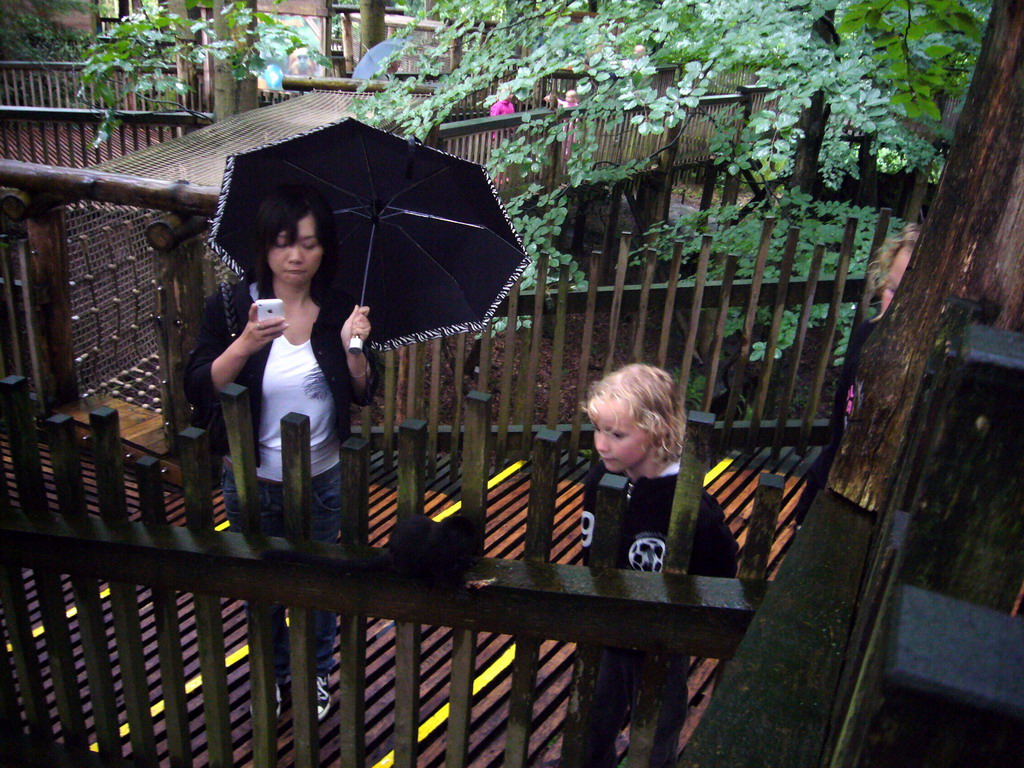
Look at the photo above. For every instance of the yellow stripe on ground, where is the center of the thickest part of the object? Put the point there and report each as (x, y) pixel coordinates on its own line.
(71, 612)
(498, 478)
(715, 471)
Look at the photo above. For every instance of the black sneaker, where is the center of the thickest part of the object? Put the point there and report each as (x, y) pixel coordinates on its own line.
(278, 696)
(323, 697)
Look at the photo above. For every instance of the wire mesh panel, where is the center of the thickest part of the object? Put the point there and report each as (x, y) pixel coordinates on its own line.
(113, 299)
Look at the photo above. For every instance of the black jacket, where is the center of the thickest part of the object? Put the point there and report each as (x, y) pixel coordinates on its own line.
(645, 525)
(213, 338)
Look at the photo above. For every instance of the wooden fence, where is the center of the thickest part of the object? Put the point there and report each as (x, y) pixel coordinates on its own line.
(59, 85)
(655, 316)
(68, 137)
(529, 599)
(903, 641)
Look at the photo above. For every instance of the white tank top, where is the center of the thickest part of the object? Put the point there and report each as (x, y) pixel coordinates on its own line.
(293, 382)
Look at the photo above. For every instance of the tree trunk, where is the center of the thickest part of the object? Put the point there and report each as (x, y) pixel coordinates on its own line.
(186, 69)
(972, 248)
(371, 25)
(812, 123)
(231, 96)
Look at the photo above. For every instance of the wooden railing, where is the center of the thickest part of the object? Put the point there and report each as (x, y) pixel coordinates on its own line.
(68, 137)
(59, 85)
(529, 599)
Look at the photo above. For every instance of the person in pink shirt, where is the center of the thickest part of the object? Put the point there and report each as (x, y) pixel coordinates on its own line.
(503, 106)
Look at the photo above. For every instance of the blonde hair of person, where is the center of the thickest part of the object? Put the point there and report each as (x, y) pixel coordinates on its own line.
(878, 271)
(652, 401)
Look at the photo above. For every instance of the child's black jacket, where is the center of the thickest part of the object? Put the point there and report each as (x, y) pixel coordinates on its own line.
(645, 526)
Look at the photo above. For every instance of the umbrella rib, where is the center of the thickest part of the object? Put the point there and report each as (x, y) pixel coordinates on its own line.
(312, 175)
(411, 187)
(434, 217)
(359, 210)
(369, 172)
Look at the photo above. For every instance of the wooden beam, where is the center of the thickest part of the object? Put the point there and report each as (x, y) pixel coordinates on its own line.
(698, 615)
(773, 705)
(945, 686)
(118, 188)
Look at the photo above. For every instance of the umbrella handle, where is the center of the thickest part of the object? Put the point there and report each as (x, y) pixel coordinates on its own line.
(355, 345)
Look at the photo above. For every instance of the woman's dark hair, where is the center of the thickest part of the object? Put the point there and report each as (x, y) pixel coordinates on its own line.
(280, 211)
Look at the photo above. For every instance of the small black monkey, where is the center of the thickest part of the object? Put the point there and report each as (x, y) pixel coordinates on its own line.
(439, 551)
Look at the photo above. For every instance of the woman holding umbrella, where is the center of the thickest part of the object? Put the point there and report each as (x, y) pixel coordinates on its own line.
(298, 362)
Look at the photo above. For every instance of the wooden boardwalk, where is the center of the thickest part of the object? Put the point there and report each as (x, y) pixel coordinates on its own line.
(733, 483)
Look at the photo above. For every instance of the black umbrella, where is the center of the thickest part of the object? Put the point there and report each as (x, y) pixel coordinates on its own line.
(425, 241)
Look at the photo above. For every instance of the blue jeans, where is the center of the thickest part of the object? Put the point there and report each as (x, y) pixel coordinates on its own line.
(326, 514)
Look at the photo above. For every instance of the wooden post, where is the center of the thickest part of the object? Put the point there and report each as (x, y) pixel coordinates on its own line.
(611, 505)
(297, 494)
(234, 403)
(28, 474)
(828, 339)
(168, 630)
(761, 526)
(355, 478)
(959, 544)
(474, 507)
(768, 360)
(547, 454)
(124, 597)
(67, 469)
(943, 684)
(747, 335)
(700, 428)
(179, 302)
(195, 467)
(47, 239)
(412, 440)
(348, 43)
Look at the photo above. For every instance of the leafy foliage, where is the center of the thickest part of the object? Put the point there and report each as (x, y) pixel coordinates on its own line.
(31, 32)
(138, 54)
(864, 84)
(925, 48)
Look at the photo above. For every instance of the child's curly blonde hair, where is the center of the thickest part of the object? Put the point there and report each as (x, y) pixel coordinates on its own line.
(878, 271)
(652, 401)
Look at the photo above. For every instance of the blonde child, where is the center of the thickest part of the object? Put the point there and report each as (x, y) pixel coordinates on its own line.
(638, 432)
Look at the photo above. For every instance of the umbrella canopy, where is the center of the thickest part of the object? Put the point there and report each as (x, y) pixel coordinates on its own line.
(424, 240)
(370, 64)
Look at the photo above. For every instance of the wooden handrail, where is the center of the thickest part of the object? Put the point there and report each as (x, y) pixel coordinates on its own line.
(119, 188)
(687, 614)
(131, 117)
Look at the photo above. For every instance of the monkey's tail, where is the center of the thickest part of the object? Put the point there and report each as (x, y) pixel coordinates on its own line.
(333, 564)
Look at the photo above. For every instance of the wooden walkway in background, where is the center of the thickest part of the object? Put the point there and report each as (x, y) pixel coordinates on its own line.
(733, 483)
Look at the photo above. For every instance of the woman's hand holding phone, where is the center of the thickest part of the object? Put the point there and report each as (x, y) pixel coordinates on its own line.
(266, 323)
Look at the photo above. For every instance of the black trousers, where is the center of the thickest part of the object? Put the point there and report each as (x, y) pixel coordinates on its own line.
(618, 679)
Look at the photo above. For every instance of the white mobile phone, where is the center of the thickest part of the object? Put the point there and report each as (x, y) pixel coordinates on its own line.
(266, 309)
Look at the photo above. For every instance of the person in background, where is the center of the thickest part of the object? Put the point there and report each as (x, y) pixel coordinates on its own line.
(503, 105)
(639, 426)
(299, 362)
(886, 273)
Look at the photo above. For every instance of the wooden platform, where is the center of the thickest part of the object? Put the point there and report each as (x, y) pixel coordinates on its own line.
(732, 482)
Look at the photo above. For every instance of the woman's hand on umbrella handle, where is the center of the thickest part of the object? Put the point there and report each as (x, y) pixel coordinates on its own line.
(258, 333)
(357, 326)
